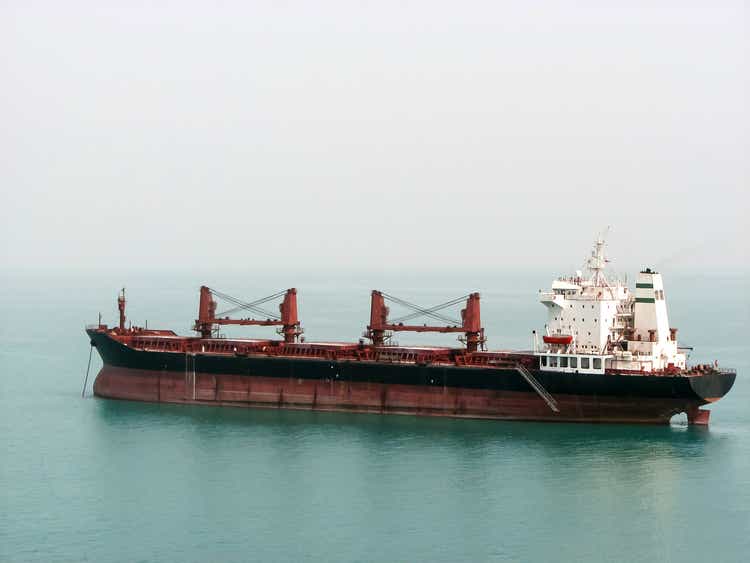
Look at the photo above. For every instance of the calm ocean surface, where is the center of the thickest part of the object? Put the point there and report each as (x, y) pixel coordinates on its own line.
(96, 480)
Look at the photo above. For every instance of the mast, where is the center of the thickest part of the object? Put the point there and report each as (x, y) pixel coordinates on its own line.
(121, 308)
(597, 262)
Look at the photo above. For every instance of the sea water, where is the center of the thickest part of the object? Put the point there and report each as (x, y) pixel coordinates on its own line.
(100, 480)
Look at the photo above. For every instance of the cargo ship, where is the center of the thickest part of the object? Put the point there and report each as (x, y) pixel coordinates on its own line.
(605, 354)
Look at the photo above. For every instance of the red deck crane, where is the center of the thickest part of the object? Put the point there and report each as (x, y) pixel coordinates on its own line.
(470, 324)
(287, 320)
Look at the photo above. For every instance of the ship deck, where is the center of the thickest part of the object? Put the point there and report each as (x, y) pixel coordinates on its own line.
(167, 341)
(170, 342)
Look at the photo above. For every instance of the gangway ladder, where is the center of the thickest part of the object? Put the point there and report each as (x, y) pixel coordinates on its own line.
(531, 380)
(189, 376)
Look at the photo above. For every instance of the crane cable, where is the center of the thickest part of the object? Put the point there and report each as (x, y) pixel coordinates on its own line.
(251, 306)
(436, 308)
(430, 312)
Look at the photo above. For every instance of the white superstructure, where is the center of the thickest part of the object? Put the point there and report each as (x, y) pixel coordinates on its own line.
(595, 324)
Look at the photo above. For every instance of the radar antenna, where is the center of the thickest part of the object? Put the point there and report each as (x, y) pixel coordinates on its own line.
(598, 261)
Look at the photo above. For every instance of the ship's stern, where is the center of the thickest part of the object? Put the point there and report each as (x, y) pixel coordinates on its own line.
(709, 387)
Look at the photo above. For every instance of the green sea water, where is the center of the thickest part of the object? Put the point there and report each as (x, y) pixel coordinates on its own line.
(96, 480)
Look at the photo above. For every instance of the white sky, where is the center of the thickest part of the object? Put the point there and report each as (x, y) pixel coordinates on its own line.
(372, 134)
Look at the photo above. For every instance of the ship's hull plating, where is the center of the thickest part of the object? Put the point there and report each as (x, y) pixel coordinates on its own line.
(377, 387)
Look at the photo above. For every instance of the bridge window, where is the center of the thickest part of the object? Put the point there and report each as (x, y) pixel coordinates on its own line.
(543, 360)
(552, 362)
(574, 362)
(584, 363)
(597, 363)
(563, 362)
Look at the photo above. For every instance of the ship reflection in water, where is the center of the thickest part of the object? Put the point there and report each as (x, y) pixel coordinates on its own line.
(606, 444)
(473, 489)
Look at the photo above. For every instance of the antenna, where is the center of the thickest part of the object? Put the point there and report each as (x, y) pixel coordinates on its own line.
(597, 262)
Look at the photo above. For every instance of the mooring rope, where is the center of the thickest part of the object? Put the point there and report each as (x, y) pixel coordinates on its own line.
(85, 381)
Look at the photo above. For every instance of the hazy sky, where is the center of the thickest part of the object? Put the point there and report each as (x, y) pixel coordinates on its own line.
(372, 134)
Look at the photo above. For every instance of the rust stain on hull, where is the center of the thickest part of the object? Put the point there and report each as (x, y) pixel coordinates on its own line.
(331, 395)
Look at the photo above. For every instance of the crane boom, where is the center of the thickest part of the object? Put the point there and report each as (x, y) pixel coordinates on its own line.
(287, 320)
(471, 324)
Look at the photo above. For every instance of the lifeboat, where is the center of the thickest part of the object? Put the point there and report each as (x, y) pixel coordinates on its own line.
(558, 339)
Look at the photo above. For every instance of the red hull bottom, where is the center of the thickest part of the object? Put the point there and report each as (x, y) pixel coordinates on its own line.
(303, 394)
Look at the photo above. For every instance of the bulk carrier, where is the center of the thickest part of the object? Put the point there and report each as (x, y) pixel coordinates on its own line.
(606, 354)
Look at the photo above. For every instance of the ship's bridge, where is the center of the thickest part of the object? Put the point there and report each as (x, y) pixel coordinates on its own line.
(587, 313)
(592, 315)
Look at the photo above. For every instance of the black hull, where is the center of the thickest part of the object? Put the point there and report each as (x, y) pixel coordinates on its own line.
(492, 392)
